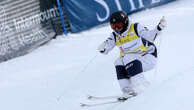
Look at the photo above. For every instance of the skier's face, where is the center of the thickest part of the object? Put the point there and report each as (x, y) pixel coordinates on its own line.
(117, 27)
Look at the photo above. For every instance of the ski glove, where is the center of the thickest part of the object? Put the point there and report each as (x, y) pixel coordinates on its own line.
(101, 47)
(162, 24)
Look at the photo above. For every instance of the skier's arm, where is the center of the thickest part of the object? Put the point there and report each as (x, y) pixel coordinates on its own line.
(144, 32)
(107, 45)
(150, 35)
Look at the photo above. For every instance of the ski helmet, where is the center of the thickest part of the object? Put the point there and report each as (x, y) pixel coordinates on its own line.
(119, 21)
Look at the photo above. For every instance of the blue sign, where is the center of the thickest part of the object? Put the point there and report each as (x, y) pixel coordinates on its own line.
(84, 14)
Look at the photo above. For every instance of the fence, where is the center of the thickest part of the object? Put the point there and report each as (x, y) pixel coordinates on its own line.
(25, 25)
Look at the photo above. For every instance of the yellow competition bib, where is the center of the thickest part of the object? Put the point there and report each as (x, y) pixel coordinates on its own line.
(130, 37)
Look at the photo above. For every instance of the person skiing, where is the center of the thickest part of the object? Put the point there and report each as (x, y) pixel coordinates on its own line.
(138, 53)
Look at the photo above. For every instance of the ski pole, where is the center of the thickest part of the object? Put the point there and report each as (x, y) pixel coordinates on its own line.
(91, 60)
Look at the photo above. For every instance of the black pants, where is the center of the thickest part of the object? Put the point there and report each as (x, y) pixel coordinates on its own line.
(131, 69)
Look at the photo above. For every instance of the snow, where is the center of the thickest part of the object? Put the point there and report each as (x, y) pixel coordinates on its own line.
(60, 74)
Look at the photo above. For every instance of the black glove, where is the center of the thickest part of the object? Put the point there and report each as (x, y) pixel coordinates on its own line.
(102, 51)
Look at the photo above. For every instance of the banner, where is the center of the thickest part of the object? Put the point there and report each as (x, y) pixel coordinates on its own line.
(84, 14)
(25, 25)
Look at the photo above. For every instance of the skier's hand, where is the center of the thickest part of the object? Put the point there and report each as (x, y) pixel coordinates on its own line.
(149, 50)
(162, 24)
(102, 48)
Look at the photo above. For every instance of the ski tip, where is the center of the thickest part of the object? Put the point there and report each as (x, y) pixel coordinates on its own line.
(82, 105)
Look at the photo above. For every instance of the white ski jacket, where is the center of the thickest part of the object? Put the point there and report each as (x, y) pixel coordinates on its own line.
(133, 41)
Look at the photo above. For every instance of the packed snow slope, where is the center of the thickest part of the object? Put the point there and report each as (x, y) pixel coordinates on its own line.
(60, 74)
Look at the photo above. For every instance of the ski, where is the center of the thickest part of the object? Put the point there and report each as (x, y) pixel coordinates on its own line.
(113, 99)
(98, 104)
(91, 97)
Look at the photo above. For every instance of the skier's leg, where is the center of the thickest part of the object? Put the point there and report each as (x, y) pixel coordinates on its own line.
(120, 69)
(121, 72)
(148, 62)
(123, 78)
(127, 89)
(126, 86)
(134, 67)
(139, 81)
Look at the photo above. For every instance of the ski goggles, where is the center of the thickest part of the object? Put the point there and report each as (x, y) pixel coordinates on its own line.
(117, 26)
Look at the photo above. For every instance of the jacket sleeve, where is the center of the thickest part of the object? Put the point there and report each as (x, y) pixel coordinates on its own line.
(109, 44)
(147, 34)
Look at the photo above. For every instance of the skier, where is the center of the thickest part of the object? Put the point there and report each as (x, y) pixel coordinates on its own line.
(138, 53)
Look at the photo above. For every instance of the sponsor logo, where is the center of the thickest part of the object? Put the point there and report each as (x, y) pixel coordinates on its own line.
(133, 4)
(129, 66)
(12, 30)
